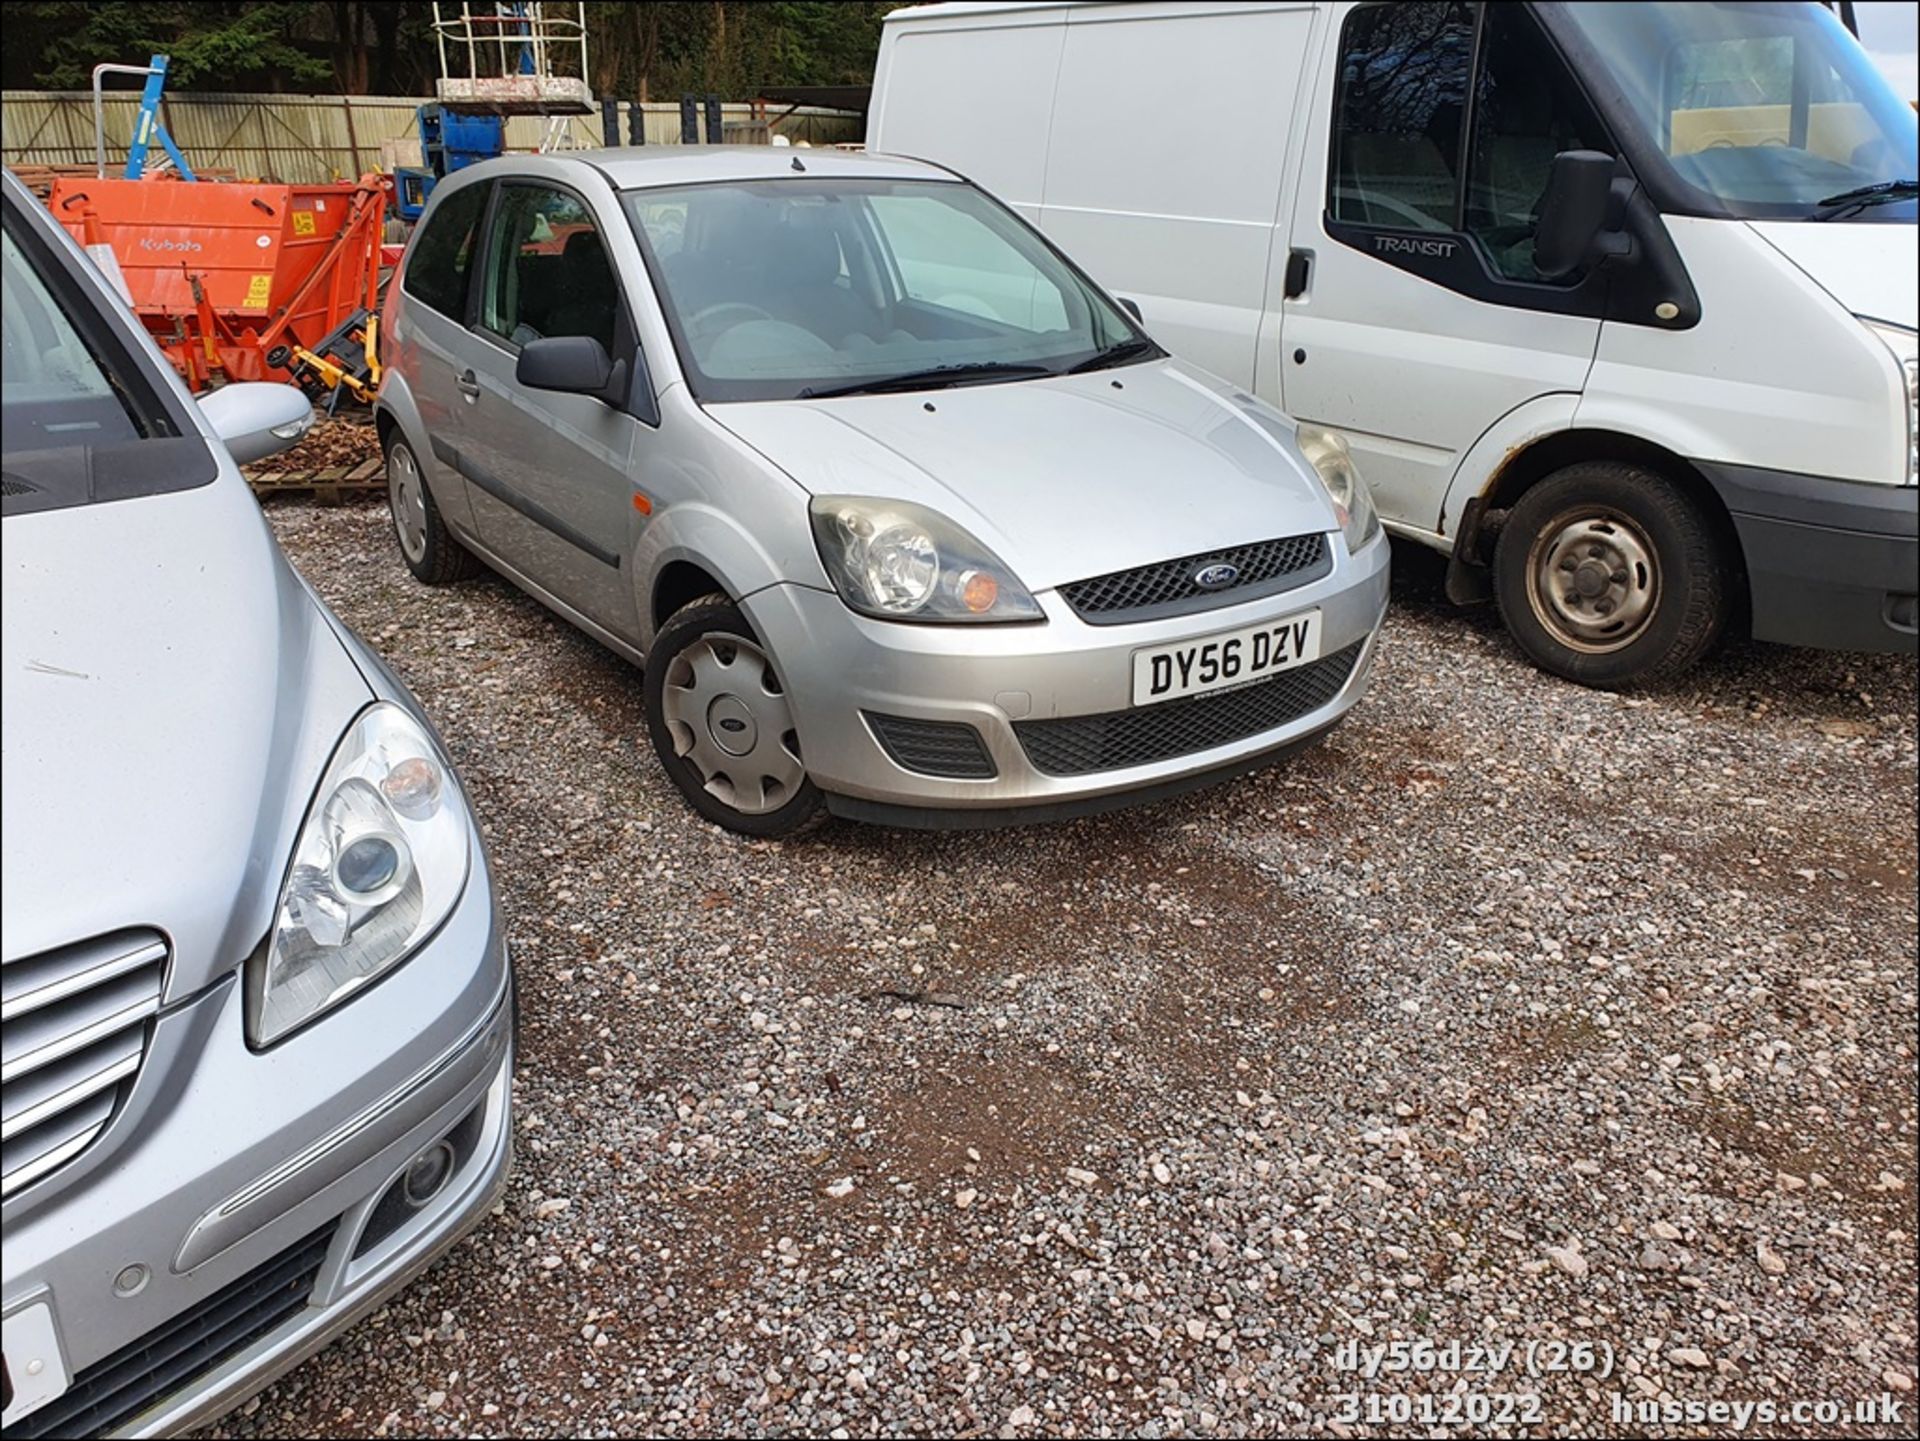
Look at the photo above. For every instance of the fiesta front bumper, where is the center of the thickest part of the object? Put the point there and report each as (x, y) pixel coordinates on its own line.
(1018, 688)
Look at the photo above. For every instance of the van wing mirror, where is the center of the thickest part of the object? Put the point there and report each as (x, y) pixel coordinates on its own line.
(573, 365)
(1573, 211)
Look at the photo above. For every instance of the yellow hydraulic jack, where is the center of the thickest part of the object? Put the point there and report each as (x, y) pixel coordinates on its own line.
(346, 362)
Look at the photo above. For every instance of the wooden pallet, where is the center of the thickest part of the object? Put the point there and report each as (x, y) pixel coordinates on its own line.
(39, 178)
(330, 485)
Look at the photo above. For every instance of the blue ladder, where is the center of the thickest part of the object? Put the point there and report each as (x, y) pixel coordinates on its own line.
(147, 127)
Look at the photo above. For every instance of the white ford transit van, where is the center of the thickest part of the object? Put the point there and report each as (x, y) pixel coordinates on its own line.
(1614, 304)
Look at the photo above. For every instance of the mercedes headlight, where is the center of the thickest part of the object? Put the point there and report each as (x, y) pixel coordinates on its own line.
(1905, 346)
(897, 561)
(381, 860)
(1326, 451)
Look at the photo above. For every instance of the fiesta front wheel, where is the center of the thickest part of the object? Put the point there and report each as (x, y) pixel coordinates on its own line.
(722, 725)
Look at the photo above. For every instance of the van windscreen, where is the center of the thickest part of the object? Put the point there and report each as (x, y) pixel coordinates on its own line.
(1760, 110)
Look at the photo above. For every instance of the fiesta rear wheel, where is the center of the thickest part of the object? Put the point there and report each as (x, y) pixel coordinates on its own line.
(427, 546)
(722, 725)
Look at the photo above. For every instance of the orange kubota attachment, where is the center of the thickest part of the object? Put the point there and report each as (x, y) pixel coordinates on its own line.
(223, 273)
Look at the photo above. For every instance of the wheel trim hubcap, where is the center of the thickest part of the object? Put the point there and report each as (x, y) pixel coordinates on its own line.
(1594, 580)
(730, 721)
(408, 501)
(731, 724)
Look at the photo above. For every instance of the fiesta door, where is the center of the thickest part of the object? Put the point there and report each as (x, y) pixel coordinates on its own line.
(551, 474)
(1414, 316)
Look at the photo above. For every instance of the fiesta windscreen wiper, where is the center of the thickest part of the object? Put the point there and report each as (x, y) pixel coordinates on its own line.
(1848, 201)
(931, 378)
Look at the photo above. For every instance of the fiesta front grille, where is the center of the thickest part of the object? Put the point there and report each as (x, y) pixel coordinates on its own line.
(1081, 745)
(113, 1391)
(1168, 587)
(950, 750)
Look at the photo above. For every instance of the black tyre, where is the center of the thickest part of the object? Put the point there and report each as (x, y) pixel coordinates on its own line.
(427, 546)
(1608, 574)
(722, 726)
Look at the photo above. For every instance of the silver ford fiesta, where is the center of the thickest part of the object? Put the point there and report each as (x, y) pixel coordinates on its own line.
(906, 518)
(258, 1013)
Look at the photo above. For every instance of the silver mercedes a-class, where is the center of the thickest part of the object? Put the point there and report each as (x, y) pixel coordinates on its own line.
(257, 1007)
(907, 519)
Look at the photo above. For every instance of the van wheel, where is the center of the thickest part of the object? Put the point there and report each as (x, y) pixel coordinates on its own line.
(427, 546)
(1609, 575)
(722, 726)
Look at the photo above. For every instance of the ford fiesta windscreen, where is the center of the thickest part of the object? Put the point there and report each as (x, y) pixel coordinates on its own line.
(799, 289)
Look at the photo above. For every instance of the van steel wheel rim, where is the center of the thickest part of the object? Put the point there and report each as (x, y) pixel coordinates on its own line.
(730, 721)
(1594, 580)
(409, 502)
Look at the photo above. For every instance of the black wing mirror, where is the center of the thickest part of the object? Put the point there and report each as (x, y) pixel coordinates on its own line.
(1573, 211)
(574, 365)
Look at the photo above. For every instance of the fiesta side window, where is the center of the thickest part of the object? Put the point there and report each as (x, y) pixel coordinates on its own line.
(547, 271)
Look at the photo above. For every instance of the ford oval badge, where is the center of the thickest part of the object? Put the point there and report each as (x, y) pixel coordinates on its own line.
(1217, 576)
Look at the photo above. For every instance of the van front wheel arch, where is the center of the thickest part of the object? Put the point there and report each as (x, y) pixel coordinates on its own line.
(1610, 575)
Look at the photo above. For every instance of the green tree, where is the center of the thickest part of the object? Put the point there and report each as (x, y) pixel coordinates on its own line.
(660, 50)
(656, 50)
(212, 45)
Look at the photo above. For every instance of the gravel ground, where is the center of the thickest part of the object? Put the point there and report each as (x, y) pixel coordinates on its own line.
(1514, 1013)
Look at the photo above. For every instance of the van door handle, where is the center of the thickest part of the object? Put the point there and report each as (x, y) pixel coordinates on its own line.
(1299, 271)
(468, 386)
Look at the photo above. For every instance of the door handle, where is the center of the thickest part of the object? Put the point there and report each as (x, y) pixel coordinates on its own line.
(1299, 271)
(468, 386)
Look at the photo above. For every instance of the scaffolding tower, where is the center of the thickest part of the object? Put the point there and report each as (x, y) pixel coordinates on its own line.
(515, 57)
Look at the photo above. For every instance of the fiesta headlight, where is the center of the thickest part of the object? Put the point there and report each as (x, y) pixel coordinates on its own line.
(381, 859)
(898, 561)
(1326, 451)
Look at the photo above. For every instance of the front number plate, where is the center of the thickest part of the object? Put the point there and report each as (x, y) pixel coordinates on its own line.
(1231, 658)
(34, 1371)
